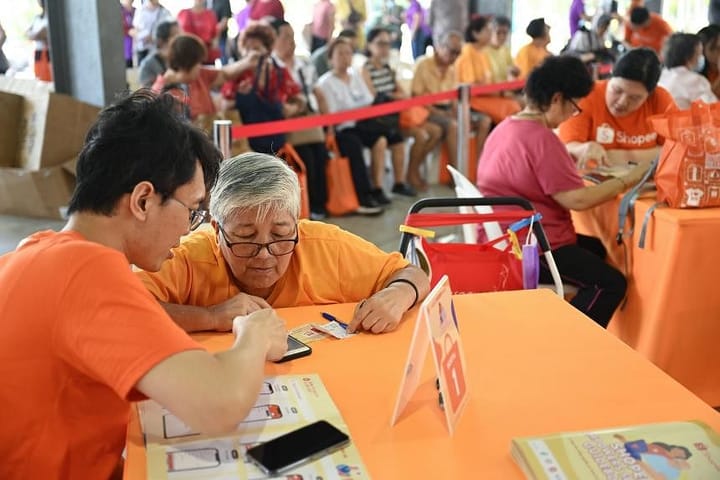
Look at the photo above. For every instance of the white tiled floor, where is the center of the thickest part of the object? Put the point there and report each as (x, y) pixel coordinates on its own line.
(381, 230)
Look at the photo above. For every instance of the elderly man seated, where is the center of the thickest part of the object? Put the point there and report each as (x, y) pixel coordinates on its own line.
(258, 254)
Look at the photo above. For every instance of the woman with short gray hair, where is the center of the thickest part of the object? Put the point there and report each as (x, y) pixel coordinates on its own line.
(258, 254)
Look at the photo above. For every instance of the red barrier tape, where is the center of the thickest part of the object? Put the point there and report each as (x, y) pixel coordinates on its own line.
(302, 123)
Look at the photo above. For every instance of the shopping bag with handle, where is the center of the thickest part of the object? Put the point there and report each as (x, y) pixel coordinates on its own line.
(688, 172)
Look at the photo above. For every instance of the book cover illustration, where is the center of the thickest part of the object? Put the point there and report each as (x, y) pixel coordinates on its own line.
(664, 451)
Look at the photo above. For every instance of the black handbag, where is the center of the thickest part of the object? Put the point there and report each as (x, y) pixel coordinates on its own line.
(256, 108)
(384, 124)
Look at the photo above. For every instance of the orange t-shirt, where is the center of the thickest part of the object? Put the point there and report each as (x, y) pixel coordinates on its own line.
(199, 100)
(329, 265)
(652, 36)
(631, 132)
(79, 331)
(473, 66)
(529, 57)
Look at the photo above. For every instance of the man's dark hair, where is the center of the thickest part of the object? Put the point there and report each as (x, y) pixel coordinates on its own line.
(347, 33)
(477, 23)
(536, 28)
(186, 51)
(161, 34)
(562, 74)
(679, 48)
(142, 137)
(639, 15)
(277, 24)
(374, 32)
(641, 65)
(501, 21)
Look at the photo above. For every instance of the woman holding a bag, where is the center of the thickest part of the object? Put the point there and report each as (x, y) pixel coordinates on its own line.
(342, 88)
(380, 79)
(612, 126)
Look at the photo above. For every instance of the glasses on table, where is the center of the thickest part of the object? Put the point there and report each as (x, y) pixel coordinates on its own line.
(197, 216)
(277, 248)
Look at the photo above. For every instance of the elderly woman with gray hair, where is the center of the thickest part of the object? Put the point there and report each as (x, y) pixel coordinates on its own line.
(259, 255)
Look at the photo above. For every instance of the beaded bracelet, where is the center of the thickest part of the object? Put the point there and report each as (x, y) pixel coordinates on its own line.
(403, 280)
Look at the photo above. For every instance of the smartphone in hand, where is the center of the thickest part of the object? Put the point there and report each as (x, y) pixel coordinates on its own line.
(297, 447)
(296, 349)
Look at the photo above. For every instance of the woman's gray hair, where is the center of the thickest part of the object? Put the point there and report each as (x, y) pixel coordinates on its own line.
(255, 180)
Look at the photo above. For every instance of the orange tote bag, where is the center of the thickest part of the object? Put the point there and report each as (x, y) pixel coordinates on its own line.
(341, 196)
(292, 158)
(688, 172)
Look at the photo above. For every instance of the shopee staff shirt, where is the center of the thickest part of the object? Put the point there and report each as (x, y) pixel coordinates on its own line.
(523, 158)
(329, 265)
(631, 132)
(79, 332)
(652, 36)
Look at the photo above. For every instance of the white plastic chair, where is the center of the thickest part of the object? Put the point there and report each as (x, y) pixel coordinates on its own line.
(464, 188)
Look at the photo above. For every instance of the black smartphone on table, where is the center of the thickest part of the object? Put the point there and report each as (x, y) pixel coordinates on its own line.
(298, 447)
(296, 349)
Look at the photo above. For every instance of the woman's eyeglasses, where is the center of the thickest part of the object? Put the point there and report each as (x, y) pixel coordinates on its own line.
(577, 108)
(277, 248)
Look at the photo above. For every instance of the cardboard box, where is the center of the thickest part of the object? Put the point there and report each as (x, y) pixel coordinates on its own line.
(37, 193)
(11, 106)
(53, 126)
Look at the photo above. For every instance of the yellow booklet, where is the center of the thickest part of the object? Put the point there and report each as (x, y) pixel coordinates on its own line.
(662, 451)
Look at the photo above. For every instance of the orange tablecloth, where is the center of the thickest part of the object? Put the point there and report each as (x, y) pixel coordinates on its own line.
(672, 314)
(535, 365)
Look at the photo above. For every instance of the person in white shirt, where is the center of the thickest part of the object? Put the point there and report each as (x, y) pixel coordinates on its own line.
(683, 54)
(145, 20)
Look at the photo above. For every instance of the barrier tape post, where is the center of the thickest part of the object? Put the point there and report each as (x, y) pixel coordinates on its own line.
(463, 127)
(222, 137)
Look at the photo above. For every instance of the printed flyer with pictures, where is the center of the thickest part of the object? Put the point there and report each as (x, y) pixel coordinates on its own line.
(286, 402)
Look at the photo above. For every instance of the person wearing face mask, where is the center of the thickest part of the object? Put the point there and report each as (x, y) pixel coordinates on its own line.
(258, 254)
(683, 54)
(612, 127)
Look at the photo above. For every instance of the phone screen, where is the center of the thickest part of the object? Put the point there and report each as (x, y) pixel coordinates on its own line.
(296, 447)
(295, 349)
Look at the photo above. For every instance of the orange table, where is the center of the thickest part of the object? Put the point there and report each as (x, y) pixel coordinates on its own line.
(672, 314)
(535, 365)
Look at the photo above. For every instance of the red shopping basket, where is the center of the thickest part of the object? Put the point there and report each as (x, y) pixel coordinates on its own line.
(471, 267)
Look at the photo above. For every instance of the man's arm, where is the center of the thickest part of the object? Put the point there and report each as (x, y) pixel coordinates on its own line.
(214, 392)
(218, 317)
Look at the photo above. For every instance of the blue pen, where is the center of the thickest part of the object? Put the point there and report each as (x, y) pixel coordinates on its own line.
(331, 318)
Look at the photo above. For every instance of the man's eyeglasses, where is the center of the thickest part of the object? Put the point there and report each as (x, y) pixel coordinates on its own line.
(197, 217)
(277, 248)
(577, 108)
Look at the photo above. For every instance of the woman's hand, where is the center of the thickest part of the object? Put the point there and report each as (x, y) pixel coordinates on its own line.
(241, 304)
(380, 313)
(589, 152)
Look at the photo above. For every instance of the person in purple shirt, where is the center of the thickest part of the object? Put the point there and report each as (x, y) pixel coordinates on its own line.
(577, 14)
(128, 12)
(416, 19)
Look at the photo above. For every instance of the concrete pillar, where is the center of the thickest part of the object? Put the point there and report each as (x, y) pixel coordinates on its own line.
(86, 49)
(492, 7)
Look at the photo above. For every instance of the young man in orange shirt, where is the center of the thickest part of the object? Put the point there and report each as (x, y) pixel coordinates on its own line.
(82, 337)
(646, 29)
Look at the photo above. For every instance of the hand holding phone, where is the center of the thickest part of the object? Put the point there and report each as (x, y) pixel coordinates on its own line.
(297, 447)
(295, 349)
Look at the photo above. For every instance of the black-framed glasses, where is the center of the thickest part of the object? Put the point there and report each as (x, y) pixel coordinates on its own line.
(577, 108)
(197, 216)
(277, 248)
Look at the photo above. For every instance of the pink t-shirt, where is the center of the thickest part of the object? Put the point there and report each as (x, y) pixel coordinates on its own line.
(522, 158)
